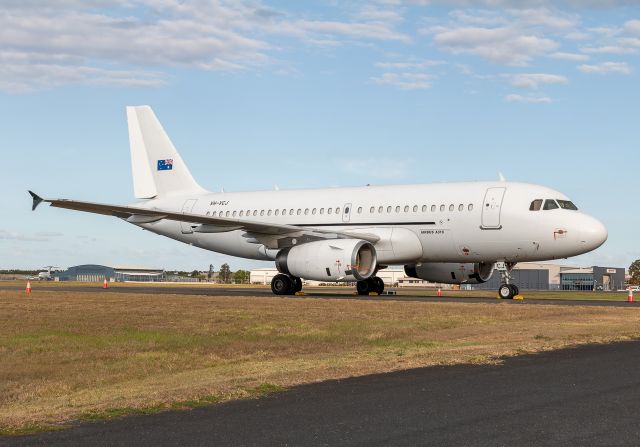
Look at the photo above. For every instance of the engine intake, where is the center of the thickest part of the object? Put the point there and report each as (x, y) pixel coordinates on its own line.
(451, 273)
(329, 260)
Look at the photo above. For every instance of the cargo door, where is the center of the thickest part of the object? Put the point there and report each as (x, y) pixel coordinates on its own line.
(187, 208)
(491, 208)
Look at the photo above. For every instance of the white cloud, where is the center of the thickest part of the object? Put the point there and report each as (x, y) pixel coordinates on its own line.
(606, 67)
(534, 80)
(409, 65)
(632, 26)
(574, 57)
(404, 81)
(128, 42)
(545, 18)
(502, 45)
(608, 49)
(528, 99)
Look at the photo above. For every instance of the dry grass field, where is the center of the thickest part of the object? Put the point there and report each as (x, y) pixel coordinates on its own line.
(69, 356)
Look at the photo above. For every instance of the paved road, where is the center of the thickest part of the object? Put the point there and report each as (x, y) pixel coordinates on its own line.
(582, 396)
(317, 292)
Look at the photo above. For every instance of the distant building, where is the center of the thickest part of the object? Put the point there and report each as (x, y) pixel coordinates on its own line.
(593, 278)
(527, 275)
(98, 273)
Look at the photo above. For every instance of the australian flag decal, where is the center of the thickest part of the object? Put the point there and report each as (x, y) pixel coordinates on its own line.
(165, 165)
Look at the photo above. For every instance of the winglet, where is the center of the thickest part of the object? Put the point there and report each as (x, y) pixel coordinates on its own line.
(37, 200)
(501, 177)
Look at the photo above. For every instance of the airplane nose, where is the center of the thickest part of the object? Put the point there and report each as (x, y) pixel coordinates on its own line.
(592, 232)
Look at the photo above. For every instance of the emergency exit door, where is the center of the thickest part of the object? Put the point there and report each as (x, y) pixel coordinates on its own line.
(491, 208)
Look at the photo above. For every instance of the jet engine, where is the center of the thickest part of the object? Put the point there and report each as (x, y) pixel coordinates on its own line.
(450, 272)
(329, 260)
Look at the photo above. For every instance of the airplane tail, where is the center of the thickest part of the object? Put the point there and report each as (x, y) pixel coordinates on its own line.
(157, 168)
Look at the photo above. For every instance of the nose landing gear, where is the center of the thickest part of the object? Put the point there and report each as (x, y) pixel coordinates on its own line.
(506, 291)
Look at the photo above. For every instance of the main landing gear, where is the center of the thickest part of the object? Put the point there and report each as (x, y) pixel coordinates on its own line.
(507, 291)
(282, 284)
(372, 284)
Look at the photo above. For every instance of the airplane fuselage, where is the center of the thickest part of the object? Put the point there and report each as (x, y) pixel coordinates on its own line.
(445, 222)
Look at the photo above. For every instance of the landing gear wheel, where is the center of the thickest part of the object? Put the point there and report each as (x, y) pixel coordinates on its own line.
(297, 285)
(282, 284)
(506, 292)
(516, 291)
(363, 287)
(378, 285)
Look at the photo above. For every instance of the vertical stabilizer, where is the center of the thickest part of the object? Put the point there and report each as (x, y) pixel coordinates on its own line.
(157, 168)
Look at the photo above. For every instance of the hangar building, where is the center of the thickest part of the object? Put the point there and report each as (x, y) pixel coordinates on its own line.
(97, 273)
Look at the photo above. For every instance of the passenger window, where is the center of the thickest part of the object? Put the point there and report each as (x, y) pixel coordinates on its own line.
(306, 211)
(433, 208)
(291, 212)
(406, 208)
(234, 214)
(284, 212)
(452, 207)
(329, 210)
(298, 212)
(277, 212)
(359, 210)
(313, 211)
(227, 214)
(388, 209)
(424, 208)
(460, 207)
(213, 214)
(338, 211)
(550, 204)
(262, 212)
(248, 212)
(255, 212)
(372, 209)
(379, 209)
(415, 208)
(269, 213)
(535, 205)
(567, 205)
(470, 207)
(397, 209)
(241, 213)
(441, 208)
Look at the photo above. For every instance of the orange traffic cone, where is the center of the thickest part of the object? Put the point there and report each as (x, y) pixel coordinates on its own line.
(28, 289)
(439, 292)
(630, 296)
(104, 284)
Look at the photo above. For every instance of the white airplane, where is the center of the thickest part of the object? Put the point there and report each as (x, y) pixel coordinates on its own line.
(448, 232)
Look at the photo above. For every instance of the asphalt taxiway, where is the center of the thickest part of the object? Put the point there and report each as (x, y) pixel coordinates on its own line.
(316, 292)
(581, 396)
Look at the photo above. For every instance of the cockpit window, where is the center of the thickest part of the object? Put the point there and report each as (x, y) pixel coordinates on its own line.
(535, 205)
(550, 204)
(567, 205)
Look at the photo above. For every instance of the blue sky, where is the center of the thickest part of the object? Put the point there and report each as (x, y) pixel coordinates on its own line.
(303, 94)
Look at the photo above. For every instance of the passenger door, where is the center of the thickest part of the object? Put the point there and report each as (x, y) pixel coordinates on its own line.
(491, 208)
(187, 208)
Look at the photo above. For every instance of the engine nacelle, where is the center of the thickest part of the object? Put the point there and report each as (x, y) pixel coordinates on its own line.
(451, 272)
(329, 260)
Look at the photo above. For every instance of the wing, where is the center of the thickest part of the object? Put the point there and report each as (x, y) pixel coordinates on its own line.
(271, 234)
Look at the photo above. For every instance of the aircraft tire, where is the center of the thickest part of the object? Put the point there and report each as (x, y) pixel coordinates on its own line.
(363, 287)
(506, 292)
(516, 291)
(297, 285)
(282, 285)
(378, 285)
